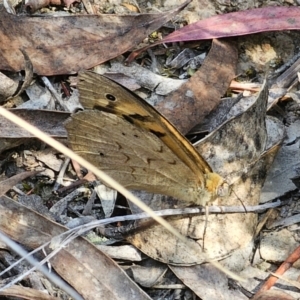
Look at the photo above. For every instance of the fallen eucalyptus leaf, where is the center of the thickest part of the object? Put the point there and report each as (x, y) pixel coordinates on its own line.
(98, 39)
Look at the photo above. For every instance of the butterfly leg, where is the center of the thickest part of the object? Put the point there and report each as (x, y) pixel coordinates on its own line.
(205, 226)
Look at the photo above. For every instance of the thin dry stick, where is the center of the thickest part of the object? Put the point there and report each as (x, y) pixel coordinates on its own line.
(59, 179)
(205, 226)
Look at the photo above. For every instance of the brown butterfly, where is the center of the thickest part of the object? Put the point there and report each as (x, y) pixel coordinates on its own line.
(133, 143)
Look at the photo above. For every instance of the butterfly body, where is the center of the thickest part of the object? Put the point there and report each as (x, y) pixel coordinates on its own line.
(128, 139)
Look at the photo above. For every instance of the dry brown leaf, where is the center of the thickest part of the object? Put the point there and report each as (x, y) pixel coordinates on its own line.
(51, 122)
(148, 273)
(189, 104)
(207, 282)
(64, 45)
(81, 264)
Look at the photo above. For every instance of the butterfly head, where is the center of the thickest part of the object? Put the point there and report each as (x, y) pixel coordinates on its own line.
(216, 186)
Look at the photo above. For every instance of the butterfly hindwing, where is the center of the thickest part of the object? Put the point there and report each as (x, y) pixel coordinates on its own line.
(133, 156)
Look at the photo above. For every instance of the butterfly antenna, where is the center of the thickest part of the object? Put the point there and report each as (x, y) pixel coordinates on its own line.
(240, 201)
(205, 226)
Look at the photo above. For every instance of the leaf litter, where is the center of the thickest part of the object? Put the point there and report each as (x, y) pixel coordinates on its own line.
(191, 278)
(98, 39)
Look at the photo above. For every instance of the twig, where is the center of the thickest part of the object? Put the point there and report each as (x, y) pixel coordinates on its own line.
(59, 179)
(286, 79)
(54, 93)
(283, 267)
(170, 212)
(286, 222)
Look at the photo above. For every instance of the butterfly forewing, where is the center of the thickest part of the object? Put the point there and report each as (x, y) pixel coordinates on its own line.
(99, 92)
